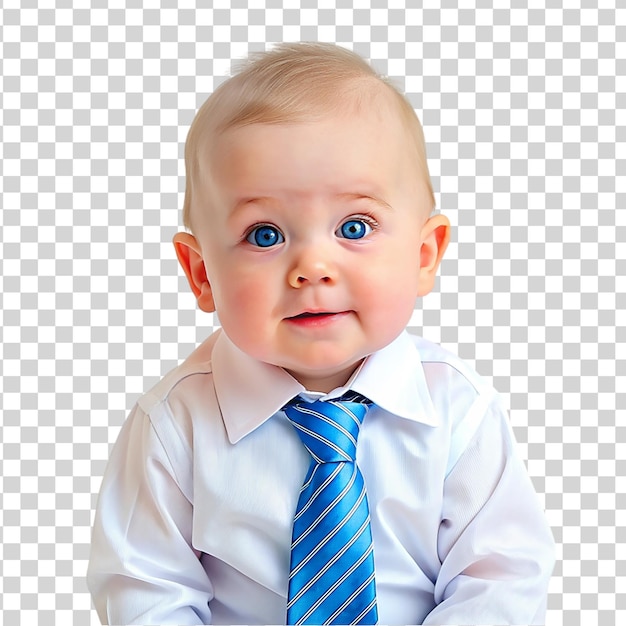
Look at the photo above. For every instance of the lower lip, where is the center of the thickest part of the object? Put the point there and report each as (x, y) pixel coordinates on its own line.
(316, 321)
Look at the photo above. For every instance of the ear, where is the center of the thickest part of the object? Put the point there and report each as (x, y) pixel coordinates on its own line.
(435, 237)
(189, 256)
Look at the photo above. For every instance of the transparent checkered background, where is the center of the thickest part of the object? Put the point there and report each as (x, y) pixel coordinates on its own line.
(524, 114)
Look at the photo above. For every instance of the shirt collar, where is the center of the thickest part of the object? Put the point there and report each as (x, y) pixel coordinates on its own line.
(249, 391)
(393, 378)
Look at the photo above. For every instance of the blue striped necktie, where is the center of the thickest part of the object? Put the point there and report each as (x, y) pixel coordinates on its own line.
(332, 558)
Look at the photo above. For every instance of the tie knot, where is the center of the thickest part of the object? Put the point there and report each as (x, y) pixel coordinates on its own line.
(329, 429)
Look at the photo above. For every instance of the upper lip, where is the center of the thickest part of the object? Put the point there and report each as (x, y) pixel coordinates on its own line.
(313, 312)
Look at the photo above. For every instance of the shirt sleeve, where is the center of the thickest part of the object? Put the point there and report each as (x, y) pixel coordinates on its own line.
(495, 546)
(143, 568)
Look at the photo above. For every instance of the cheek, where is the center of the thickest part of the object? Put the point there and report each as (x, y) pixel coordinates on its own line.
(237, 297)
(390, 294)
(242, 298)
(396, 272)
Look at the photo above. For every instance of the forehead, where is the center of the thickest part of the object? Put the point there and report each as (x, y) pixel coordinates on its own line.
(371, 144)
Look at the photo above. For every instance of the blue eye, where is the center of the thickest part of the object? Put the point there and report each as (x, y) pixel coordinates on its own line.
(354, 229)
(265, 236)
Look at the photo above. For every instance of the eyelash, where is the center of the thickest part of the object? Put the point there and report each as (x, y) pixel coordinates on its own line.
(366, 217)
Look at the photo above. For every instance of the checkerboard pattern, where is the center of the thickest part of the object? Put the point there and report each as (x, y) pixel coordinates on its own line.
(524, 110)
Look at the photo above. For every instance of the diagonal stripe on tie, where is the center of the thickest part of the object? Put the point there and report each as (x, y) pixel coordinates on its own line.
(318, 489)
(330, 564)
(332, 423)
(316, 518)
(332, 577)
(334, 588)
(302, 555)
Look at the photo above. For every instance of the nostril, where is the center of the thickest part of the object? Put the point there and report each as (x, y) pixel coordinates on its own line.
(298, 280)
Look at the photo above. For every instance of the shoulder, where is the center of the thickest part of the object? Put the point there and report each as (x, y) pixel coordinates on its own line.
(161, 425)
(443, 367)
(462, 398)
(182, 399)
(181, 379)
(448, 373)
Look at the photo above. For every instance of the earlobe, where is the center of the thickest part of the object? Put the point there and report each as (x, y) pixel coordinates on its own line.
(435, 237)
(189, 256)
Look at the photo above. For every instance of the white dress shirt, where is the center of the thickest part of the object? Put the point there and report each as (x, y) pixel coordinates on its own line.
(193, 524)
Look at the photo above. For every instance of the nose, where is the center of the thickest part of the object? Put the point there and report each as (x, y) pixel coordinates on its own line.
(312, 266)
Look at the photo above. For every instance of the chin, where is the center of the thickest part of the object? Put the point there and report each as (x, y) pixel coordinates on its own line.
(326, 369)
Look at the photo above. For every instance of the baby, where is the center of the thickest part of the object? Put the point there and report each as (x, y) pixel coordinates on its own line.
(311, 234)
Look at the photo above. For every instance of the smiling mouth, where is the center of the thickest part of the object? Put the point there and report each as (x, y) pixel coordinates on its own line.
(307, 315)
(317, 319)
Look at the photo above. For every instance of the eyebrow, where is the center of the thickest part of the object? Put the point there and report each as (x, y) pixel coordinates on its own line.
(366, 196)
(242, 202)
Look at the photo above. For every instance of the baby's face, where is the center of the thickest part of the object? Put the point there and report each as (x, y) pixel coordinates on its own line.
(313, 241)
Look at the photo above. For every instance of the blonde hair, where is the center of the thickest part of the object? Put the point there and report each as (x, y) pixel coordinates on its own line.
(293, 82)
